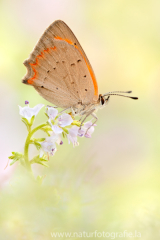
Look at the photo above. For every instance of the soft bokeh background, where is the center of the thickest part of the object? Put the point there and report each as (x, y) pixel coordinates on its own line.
(111, 182)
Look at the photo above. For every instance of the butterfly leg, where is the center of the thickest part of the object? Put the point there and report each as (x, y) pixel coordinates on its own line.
(95, 117)
(80, 119)
(87, 115)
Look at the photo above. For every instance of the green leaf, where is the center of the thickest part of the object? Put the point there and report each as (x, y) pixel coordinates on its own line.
(43, 159)
(25, 121)
(38, 145)
(11, 157)
(46, 115)
(32, 120)
(39, 160)
(47, 129)
(36, 142)
(39, 139)
(63, 134)
(65, 130)
(42, 163)
(16, 156)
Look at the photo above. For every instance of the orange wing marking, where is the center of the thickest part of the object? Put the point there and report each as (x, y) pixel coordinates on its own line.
(31, 80)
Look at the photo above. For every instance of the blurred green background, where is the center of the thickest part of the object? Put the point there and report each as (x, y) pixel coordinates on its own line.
(111, 182)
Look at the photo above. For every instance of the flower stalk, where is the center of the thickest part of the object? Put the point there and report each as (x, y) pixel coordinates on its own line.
(26, 146)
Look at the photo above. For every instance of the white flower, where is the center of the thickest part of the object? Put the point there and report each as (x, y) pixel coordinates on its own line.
(51, 112)
(56, 129)
(86, 130)
(72, 136)
(49, 144)
(62, 121)
(47, 147)
(28, 112)
(57, 138)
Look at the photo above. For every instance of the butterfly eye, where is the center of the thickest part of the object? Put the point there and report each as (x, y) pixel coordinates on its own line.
(102, 100)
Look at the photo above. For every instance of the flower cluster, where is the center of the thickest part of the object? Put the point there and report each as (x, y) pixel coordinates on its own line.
(58, 126)
(65, 125)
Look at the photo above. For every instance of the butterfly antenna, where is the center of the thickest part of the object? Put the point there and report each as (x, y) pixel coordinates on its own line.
(115, 94)
(118, 92)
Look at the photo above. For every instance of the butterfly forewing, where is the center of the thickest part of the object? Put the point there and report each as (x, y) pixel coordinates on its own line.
(59, 69)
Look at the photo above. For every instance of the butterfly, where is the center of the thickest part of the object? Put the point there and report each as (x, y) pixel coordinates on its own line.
(60, 71)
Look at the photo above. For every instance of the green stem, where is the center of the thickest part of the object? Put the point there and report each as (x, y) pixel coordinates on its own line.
(26, 147)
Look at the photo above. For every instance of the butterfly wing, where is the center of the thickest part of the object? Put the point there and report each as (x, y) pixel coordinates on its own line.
(59, 69)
